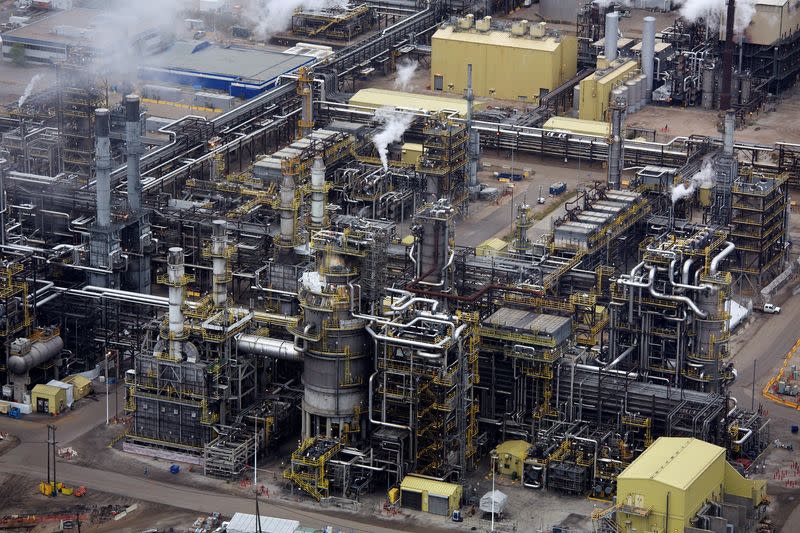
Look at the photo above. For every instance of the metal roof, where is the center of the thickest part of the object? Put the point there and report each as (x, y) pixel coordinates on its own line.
(522, 319)
(421, 484)
(517, 448)
(246, 523)
(230, 62)
(497, 38)
(375, 98)
(673, 461)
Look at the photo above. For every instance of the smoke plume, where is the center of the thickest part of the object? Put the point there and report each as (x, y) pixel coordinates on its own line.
(29, 89)
(405, 71)
(271, 16)
(395, 123)
(703, 177)
(713, 11)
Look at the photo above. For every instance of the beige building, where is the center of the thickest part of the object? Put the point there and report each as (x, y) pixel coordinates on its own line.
(523, 64)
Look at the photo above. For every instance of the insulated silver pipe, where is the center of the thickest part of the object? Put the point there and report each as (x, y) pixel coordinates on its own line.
(730, 126)
(103, 167)
(318, 192)
(134, 151)
(612, 31)
(39, 353)
(268, 347)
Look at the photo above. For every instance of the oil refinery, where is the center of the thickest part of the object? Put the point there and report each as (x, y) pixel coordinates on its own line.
(400, 266)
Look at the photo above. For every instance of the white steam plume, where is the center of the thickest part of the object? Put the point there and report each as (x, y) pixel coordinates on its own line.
(28, 89)
(271, 16)
(395, 123)
(405, 71)
(703, 177)
(714, 10)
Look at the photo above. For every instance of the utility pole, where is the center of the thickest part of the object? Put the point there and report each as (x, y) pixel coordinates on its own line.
(255, 453)
(106, 358)
(753, 393)
(48, 455)
(52, 440)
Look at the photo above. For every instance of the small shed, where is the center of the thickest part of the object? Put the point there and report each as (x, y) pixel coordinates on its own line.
(430, 496)
(67, 387)
(48, 399)
(494, 502)
(491, 247)
(82, 386)
(511, 456)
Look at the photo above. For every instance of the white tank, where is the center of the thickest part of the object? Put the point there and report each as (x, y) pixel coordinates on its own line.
(633, 95)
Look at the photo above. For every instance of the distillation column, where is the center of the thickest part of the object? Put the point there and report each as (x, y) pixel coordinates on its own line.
(176, 280)
(433, 247)
(474, 145)
(616, 157)
(318, 193)
(648, 54)
(612, 32)
(219, 261)
(134, 152)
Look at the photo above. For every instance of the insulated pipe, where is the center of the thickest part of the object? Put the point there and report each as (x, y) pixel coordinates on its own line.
(612, 32)
(134, 152)
(622, 356)
(687, 265)
(685, 299)
(729, 247)
(39, 353)
(684, 285)
(175, 273)
(103, 167)
(287, 191)
(369, 409)
(648, 54)
(219, 263)
(268, 347)
(318, 192)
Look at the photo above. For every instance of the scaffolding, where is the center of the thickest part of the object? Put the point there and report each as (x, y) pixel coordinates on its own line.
(338, 23)
(443, 162)
(79, 96)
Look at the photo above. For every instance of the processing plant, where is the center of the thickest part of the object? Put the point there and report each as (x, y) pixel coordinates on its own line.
(289, 266)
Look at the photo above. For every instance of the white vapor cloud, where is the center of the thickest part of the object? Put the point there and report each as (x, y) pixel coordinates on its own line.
(703, 177)
(272, 16)
(405, 71)
(395, 123)
(714, 10)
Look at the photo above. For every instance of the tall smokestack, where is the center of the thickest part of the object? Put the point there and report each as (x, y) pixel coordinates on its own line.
(730, 125)
(648, 54)
(473, 146)
(612, 31)
(103, 167)
(727, 58)
(132, 129)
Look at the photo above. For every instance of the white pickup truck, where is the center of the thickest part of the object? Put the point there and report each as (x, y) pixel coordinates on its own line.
(771, 309)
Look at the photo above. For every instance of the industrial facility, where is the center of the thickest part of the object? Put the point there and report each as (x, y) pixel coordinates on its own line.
(304, 257)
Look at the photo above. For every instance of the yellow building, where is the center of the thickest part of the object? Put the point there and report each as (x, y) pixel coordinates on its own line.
(685, 476)
(430, 496)
(521, 65)
(81, 385)
(510, 458)
(49, 400)
(595, 90)
(375, 98)
(491, 247)
(411, 153)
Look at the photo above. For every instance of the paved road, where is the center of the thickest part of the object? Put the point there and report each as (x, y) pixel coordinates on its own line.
(29, 459)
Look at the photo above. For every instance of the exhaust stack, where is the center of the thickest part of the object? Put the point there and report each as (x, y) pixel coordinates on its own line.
(134, 144)
(612, 31)
(103, 166)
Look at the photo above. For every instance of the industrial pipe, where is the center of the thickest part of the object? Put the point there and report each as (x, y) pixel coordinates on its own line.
(219, 279)
(267, 347)
(685, 299)
(729, 247)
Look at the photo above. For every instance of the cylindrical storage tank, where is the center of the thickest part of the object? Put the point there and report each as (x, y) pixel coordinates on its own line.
(40, 352)
(643, 94)
(705, 195)
(707, 86)
(633, 95)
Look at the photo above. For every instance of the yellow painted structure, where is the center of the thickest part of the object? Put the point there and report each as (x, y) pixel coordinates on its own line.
(430, 494)
(491, 247)
(504, 65)
(510, 457)
(692, 472)
(576, 125)
(375, 98)
(411, 152)
(394, 495)
(81, 386)
(596, 89)
(48, 399)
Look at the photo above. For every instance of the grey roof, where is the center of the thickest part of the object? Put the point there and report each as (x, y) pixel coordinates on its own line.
(522, 319)
(246, 523)
(231, 62)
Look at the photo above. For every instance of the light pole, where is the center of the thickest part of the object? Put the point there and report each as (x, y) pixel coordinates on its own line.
(106, 387)
(255, 453)
(492, 493)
